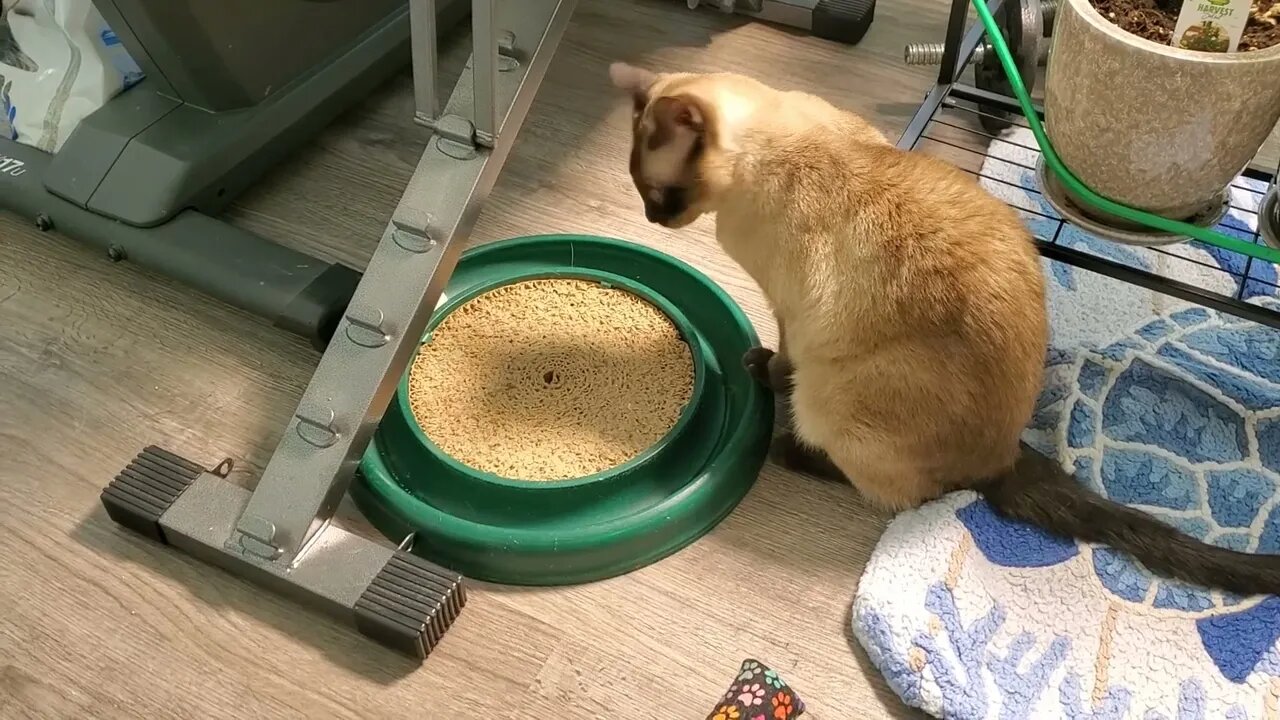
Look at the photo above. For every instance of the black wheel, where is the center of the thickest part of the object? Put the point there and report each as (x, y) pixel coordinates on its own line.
(1023, 26)
(1269, 216)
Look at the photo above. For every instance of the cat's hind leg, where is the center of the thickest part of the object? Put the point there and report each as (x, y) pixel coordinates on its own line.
(889, 484)
(793, 454)
(895, 488)
(848, 423)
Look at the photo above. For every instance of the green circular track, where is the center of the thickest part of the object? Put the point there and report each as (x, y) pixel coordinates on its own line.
(551, 533)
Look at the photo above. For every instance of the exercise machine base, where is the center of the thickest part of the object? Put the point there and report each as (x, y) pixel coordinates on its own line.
(280, 534)
(398, 599)
(844, 21)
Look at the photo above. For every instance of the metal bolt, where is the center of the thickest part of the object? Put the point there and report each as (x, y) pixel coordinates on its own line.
(258, 537)
(44, 223)
(411, 237)
(367, 331)
(506, 42)
(456, 137)
(318, 432)
(115, 253)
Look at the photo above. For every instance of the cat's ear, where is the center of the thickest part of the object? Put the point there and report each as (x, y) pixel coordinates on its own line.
(633, 80)
(680, 113)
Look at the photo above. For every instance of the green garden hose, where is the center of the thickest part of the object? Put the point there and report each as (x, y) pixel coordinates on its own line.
(1082, 191)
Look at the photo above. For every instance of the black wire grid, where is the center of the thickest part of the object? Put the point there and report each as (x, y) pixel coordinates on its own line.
(947, 124)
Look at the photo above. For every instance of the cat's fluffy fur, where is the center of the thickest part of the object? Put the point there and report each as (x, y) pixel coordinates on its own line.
(910, 306)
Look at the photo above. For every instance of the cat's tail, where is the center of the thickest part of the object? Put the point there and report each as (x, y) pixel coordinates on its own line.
(1039, 492)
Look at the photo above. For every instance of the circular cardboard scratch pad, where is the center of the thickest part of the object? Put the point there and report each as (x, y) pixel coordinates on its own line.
(577, 409)
(551, 379)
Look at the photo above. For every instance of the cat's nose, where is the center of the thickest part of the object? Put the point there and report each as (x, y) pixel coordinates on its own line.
(655, 212)
(671, 205)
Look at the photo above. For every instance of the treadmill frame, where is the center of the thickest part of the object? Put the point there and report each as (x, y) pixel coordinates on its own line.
(144, 177)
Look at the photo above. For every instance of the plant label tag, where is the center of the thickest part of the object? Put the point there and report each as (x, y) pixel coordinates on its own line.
(1211, 25)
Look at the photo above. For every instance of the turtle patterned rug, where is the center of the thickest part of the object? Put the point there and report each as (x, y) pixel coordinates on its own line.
(1165, 406)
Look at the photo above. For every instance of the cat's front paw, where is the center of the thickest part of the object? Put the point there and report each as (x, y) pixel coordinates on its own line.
(756, 361)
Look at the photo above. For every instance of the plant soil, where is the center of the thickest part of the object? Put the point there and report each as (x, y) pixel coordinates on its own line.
(1156, 19)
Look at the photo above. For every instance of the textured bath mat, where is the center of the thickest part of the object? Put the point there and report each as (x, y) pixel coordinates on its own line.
(1155, 403)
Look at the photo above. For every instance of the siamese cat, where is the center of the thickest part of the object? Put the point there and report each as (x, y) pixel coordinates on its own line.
(910, 307)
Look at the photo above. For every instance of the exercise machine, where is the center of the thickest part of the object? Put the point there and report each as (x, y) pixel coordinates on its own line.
(845, 21)
(1027, 26)
(224, 99)
(279, 534)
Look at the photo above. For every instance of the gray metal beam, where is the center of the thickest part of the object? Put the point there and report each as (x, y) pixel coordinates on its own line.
(280, 535)
(353, 384)
(422, 25)
(484, 71)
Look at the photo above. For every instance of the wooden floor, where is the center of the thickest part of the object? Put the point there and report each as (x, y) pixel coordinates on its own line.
(98, 360)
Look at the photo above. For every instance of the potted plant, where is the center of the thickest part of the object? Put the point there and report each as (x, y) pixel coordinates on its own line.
(1161, 128)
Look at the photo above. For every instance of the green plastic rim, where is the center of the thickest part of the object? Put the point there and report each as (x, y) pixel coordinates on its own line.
(582, 529)
(436, 455)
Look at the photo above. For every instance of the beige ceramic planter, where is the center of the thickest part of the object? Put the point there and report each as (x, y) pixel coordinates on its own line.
(1152, 126)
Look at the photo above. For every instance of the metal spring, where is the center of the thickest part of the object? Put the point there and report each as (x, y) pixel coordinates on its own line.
(1049, 9)
(931, 53)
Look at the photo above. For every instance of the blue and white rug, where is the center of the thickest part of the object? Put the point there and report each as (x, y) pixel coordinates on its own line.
(1152, 402)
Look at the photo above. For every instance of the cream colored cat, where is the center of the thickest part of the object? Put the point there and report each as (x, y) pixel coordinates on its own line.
(910, 308)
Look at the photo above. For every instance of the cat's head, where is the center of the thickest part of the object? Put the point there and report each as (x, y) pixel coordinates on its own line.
(673, 145)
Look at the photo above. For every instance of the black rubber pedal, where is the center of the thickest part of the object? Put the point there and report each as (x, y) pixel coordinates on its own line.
(410, 604)
(146, 488)
(845, 21)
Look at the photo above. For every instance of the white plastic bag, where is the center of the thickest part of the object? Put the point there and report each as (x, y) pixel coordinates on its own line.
(58, 63)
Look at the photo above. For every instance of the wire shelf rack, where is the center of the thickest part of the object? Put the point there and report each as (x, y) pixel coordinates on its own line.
(949, 125)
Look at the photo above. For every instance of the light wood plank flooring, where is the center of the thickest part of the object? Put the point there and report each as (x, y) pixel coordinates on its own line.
(98, 360)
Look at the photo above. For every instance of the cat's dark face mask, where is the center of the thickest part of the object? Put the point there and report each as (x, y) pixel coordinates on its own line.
(666, 149)
(673, 203)
(668, 138)
(666, 205)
